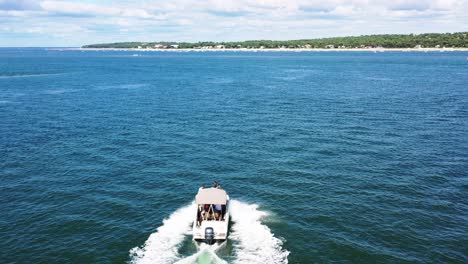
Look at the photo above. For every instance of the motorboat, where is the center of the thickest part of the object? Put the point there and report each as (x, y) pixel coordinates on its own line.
(212, 217)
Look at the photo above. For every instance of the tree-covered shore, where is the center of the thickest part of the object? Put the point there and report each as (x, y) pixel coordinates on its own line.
(428, 40)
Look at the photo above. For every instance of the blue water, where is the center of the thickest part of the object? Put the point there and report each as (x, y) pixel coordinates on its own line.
(329, 157)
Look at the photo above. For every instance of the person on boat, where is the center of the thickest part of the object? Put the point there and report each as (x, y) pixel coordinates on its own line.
(223, 211)
(216, 185)
(201, 187)
(218, 210)
(206, 210)
(200, 213)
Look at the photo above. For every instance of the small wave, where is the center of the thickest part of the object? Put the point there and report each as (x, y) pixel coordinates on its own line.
(14, 95)
(253, 241)
(123, 86)
(28, 75)
(295, 74)
(288, 78)
(383, 79)
(221, 81)
(301, 71)
(60, 91)
(4, 102)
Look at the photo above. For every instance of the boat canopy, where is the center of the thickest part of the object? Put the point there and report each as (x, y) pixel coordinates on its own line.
(211, 196)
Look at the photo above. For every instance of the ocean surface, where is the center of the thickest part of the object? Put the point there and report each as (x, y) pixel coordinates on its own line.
(329, 157)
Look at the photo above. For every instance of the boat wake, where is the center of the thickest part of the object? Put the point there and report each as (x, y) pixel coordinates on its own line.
(252, 241)
(256, 243)
(161, 246)
(205, 254)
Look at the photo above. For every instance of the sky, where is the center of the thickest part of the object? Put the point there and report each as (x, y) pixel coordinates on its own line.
(71, 23)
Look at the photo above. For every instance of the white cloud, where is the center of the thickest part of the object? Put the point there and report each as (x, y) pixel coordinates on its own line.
(194, 20)
(77, 8)
(446, 4)
(15, 13)
(88, 9)
(18, 5)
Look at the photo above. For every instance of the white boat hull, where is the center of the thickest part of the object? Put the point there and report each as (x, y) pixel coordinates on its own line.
(220, 229)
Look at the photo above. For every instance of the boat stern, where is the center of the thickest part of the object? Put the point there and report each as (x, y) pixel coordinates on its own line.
(210, 231)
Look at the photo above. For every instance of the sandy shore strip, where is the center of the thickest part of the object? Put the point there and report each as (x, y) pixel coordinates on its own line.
(270, 50)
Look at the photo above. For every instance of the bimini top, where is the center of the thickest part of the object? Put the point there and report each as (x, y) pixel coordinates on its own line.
(211, 196)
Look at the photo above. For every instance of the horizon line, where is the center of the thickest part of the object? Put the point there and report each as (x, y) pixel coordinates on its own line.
(245, 40)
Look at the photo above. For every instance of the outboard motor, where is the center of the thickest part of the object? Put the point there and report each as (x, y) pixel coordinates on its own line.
(209, 235)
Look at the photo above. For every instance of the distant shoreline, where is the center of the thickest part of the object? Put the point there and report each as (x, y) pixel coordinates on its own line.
(271, 50)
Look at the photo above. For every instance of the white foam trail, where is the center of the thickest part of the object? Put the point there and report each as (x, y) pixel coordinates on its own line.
(206, 254)
(256, 243)
(161, 246)
(253, 241)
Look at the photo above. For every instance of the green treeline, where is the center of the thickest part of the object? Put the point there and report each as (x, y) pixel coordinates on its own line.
(428, 40)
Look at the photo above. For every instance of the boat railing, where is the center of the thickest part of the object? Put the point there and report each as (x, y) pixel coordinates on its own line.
(210, 214)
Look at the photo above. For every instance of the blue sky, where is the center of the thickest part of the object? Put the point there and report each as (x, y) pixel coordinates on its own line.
(73, 23)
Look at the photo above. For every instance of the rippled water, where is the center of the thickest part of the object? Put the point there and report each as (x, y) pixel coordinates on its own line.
(329, 157)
